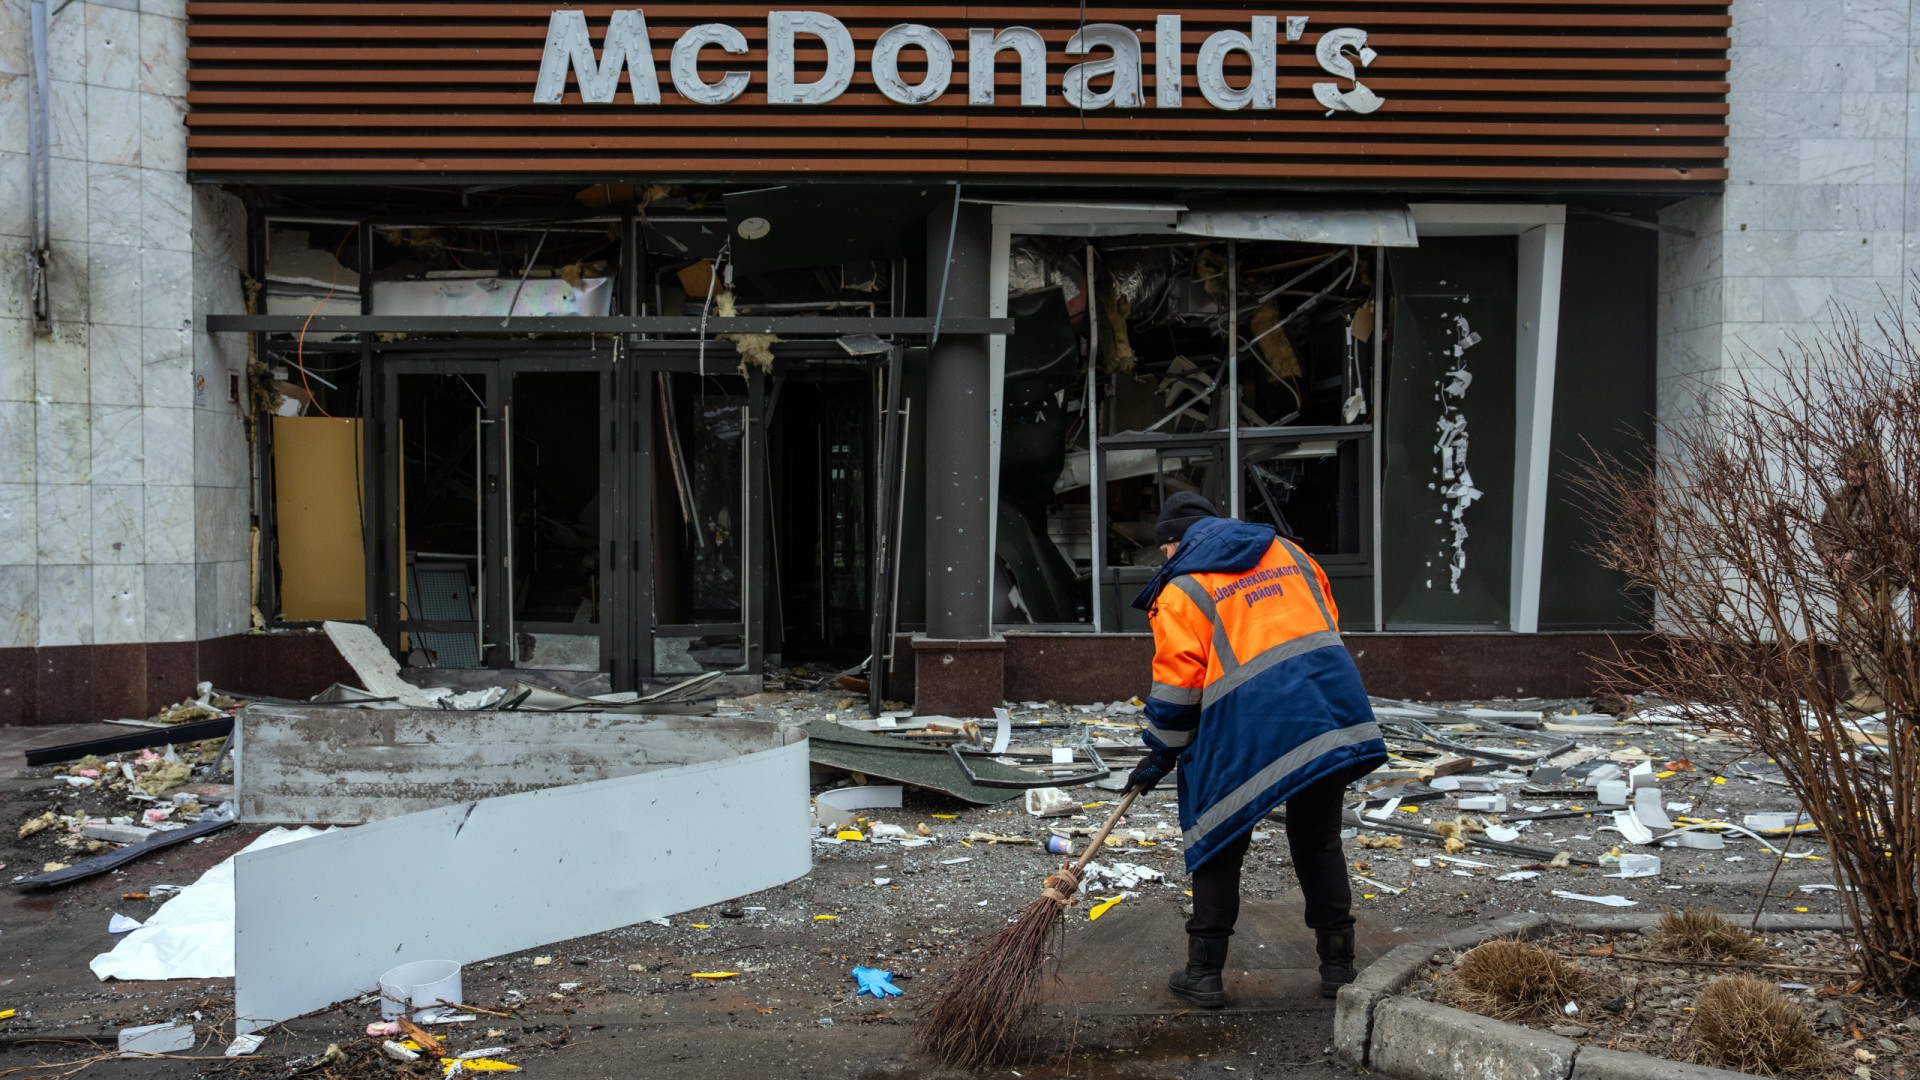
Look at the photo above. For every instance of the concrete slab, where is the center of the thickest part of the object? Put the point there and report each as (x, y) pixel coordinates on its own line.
(321, 920)
(317, 764)
(16, 741)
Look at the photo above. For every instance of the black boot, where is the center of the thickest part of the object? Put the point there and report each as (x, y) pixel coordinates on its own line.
(1336, 960)
(1200, 982)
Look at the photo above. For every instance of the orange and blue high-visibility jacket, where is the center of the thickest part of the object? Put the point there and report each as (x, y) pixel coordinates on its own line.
(1251, 682)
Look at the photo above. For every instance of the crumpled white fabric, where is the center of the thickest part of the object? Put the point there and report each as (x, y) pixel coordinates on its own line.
(191, 936)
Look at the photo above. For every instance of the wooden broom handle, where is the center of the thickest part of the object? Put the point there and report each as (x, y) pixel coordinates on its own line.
(1099, 838)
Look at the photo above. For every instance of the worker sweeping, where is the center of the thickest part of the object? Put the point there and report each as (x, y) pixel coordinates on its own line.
(1257, 701)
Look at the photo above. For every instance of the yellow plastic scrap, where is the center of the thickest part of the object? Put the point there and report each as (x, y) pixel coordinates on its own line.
(712, 974)
(849, 834)
(700, 926)
(946, 817)
(7, 1014)
(823, 918)
(478, 1065)
(1100, 908)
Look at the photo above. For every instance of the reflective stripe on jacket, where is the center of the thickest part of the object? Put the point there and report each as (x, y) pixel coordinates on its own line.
(1251, 681)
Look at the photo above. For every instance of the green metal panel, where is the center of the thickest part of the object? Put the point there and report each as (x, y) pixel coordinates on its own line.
(1441, 281)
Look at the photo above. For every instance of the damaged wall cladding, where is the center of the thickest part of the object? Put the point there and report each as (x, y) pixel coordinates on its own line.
(338, 766)
(319, 921)
(1441, 90)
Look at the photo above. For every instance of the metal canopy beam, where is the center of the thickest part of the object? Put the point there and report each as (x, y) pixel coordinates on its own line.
(797, 325)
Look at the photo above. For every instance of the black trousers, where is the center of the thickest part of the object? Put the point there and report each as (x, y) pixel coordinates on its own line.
(1313, 834)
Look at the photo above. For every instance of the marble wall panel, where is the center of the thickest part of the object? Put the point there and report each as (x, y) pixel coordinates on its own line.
(19, 538)
(170, 601)
(65, 595)
(119, 604)
(19, 606)
(168, 523)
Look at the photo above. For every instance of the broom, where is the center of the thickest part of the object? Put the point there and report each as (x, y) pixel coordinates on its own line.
(987, 1004)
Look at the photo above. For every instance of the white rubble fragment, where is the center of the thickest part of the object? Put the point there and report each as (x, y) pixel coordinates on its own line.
(167, 1038)
(1609, 900)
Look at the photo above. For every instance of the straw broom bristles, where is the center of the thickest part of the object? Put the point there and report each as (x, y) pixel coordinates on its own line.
(987, 1005)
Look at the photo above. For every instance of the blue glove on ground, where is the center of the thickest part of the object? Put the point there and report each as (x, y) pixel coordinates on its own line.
(1152, 769)
(875, 982)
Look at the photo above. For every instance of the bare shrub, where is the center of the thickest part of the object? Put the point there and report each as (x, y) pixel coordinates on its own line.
(1514, 980)
(1777, 532)
(1748, 1025)
(1690, 934)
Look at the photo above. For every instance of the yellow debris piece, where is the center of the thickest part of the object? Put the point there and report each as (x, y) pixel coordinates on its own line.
(946, 817)
(819, 918)
(849, 834)
(700, 926)
(478, 1065)
(45, 821)
(1100, 908)
(712, 974)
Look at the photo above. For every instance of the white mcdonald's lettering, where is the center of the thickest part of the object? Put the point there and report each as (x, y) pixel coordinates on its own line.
(1112, 59)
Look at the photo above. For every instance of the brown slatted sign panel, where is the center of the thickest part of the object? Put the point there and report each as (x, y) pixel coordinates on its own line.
(1459, 93)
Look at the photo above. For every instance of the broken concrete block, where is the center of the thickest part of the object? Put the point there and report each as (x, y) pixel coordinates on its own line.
(1764, 822)
(155, 1039)
(1602, 774)
(119, 834)
(1636, 865)
(1701, 841)
(1641, 775)
(1611, 792)
(1548, 774)
(1488, 803)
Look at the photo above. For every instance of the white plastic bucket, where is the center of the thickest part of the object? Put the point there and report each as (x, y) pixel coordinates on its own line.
(423, 984)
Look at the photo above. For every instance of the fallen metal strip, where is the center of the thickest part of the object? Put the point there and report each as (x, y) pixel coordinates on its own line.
(1353, 817)
(133, 740)
(785, 325)
(1098, 772)
(100, 864)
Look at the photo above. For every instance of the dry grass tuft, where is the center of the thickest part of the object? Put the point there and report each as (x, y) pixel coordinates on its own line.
(1514, 980)
(1748, 1025)
(1691, 934)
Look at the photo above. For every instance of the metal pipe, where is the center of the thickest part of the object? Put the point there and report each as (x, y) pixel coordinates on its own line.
(1233, 378)
(1300, 277)
(1096, 506)
(1376, 420)
(480, 534)
(506, 436)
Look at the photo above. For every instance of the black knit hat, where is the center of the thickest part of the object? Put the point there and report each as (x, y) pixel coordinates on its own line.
(1178, 514)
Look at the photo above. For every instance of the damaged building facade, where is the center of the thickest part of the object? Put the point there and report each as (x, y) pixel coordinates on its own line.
(621, 342)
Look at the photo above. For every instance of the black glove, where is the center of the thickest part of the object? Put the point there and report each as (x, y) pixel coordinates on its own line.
(1152, 769)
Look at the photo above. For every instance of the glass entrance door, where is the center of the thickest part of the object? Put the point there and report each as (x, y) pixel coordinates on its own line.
(501, 519)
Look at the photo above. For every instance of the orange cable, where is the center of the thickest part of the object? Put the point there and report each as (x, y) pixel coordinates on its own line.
(300, 348)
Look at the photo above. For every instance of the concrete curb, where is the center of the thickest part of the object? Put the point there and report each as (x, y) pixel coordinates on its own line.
(1418, 1040)
(1354, 1008)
